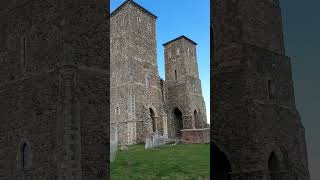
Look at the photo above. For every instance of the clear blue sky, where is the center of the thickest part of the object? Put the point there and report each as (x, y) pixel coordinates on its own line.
(182, 17)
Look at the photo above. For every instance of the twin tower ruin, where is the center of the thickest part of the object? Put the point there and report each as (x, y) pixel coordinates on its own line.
(141, 102)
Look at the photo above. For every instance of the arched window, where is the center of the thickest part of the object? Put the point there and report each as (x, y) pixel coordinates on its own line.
(152, 115)
(117, 110)
(175, 75)
(138, 19)
(197, 119)
(25, 156)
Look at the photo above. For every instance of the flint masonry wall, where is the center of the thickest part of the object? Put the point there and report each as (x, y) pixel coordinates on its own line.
(53, 89)
(183, 86)
(135, 84)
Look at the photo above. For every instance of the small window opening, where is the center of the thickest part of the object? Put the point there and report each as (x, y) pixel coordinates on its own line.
(175, 75)
(117, 111)
(269, 89)
(178, 51)
(25, 156)
(23, 53)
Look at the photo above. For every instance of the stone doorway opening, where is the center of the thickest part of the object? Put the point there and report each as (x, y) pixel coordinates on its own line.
(220, 165)
(273, 167)
(197, 119)
(178, 122)
(152, 115)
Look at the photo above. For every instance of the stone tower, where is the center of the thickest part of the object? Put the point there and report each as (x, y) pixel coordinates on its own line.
(256, 131)
(53, 90)
(183, 95)
(137, 107)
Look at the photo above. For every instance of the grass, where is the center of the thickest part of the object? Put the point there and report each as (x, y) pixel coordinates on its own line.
(183, 161)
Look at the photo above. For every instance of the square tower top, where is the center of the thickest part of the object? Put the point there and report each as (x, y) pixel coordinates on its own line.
(135, 4)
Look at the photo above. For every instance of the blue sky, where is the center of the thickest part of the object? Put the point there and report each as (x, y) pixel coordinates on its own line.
(182, 17)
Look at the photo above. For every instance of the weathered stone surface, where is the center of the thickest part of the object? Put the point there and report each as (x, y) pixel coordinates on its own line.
(53, 89)
(142, 103)
(195, 136)
(254, 118)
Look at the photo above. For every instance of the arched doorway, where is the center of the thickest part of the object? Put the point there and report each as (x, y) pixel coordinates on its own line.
(177, 122)
(152, 115)
(273, 166)
(197, 119)
(220, 165)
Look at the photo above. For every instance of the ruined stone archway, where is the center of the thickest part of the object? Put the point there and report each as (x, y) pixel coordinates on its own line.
(197, 119)
(220, 165)
(178, 124)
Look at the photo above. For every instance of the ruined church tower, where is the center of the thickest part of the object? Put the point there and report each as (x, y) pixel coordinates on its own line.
(184, 101)
(136, 97)
(256, 131)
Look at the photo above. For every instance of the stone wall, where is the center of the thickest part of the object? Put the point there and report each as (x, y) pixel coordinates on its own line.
(135, 84)
(53, 89)
(183, 86)
(195, 136)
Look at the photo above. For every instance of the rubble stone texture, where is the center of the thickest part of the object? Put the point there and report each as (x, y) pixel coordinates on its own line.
(53, 89)
(256, 131)
(141, 102)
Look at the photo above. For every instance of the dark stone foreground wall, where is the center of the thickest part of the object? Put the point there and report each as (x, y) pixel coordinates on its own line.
(253, 112)
(54, 89)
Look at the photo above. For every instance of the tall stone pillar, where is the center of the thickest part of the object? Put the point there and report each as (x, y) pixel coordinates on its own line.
(69, 138)
(164, 125)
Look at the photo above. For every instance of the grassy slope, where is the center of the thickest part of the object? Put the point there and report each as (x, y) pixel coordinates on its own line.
(175, 162)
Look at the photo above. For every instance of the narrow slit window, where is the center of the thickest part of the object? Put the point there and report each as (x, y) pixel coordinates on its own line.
(25, 156)
(117, 111)
(269, 89)
(175, 74)
(23, 53)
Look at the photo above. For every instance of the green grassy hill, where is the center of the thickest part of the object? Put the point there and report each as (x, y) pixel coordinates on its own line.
(183, 161)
